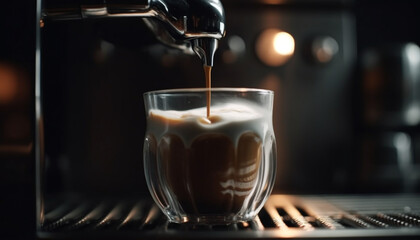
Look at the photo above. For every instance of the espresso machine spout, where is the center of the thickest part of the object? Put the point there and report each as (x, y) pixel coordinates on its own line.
(188, 25)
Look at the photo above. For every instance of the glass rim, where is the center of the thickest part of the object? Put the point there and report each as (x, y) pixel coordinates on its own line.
(213, 89)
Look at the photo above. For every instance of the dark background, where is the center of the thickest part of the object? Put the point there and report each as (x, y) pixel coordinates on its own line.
(377, 23)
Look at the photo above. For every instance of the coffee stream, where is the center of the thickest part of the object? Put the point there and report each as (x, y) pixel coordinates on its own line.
(207, 73)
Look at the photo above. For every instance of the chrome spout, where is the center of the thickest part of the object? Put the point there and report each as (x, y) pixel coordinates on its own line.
(205, 49)
(189, 25)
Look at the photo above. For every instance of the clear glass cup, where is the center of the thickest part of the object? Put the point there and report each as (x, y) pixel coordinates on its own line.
(218, 169)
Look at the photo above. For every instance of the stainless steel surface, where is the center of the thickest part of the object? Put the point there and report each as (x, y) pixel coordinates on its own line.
(391, 83)
(391, 115)
(175, 23)
(284, 216)
(389, 161)
(205, 49)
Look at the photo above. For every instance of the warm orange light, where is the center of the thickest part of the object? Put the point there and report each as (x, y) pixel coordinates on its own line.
(275, 47)
(274, 2)
(283, 43)
(8, 84)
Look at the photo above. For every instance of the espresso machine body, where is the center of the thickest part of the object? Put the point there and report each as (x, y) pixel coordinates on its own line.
(94, 71)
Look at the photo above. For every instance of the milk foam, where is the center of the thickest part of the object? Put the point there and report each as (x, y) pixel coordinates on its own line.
(231, 119)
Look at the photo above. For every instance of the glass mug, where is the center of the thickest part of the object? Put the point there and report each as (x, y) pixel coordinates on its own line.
(213, 170)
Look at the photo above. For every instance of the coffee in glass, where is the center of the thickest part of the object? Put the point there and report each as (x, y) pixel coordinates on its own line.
(215, 168)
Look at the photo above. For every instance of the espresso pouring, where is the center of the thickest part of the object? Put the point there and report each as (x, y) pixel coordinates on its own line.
(207, 73)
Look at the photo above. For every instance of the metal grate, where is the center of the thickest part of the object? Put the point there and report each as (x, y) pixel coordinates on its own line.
(282, 216)
(121, 216)
(344, 212)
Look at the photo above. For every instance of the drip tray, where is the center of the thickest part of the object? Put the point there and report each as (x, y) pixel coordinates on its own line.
(283, 216)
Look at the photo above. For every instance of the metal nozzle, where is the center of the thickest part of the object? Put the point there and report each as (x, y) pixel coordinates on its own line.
(189, 25)
(205, 49)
